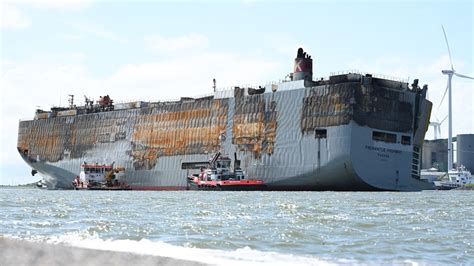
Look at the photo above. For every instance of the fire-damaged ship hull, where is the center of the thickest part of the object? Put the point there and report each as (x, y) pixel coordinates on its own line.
(350, 132)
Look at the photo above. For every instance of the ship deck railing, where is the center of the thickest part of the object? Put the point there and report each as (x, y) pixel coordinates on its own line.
(375, 75)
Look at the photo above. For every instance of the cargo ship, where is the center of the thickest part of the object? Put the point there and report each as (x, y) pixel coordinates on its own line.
(351, 132)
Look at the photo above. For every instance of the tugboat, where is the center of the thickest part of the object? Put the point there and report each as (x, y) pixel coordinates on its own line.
(100, 177)
(456, 178)
(218, 176)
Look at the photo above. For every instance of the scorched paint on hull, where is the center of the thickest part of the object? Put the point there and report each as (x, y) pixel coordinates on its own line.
(349, 132)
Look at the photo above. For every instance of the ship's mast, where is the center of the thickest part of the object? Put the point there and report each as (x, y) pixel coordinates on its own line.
(71, 101)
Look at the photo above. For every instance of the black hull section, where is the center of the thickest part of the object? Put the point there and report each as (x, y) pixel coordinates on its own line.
(101, 188)
(194, 186)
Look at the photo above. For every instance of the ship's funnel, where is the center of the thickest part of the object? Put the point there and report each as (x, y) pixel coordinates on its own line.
(303, 66)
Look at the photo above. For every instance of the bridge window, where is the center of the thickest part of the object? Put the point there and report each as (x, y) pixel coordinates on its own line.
(392, 138)
(378, 136)
(406, 140)
(385, 137)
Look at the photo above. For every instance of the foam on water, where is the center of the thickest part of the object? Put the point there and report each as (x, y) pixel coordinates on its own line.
(241, 256)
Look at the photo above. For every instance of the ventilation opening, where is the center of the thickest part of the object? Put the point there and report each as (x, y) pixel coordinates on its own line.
(321, 133)
(415, 166)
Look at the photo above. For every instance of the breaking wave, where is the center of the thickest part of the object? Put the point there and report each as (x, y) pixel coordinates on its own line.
(241, 256)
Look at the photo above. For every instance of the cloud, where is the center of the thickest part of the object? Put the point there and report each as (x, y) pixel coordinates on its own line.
(161, 44)
(13, 18)
(95, 30)
(283, 43)
(55, 4)
(25, 86)
(188, 75)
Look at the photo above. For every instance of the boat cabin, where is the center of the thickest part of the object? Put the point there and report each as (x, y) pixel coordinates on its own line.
(460, 176)
(94, 173)
(220, 169)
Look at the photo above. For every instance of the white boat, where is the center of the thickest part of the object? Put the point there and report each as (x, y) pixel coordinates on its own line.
(100, 177)
(431, 175)
(41, 184)
(456, 178)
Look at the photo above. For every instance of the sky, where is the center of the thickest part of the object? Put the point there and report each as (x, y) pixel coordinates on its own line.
(163, 50)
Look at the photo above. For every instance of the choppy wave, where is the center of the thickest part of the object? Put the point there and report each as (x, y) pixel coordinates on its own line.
(241, 256)
(251, 228)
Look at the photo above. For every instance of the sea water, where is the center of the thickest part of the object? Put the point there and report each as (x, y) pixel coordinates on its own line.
(242, 228)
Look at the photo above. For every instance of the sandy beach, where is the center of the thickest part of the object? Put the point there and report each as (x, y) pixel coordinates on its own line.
(18, 252)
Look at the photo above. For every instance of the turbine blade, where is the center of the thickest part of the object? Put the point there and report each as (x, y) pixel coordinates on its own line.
(449, 50)
(462, 76)
(444, 95)
(443, 120)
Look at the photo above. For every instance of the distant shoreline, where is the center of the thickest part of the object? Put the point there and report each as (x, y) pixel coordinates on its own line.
(22, 186)
(22, 252)
(29, 185)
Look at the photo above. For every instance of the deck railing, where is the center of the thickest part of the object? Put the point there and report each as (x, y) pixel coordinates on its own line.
(375, 75)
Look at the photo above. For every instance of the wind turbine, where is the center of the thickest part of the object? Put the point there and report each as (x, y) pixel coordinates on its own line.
(450, 74)
(437, 127)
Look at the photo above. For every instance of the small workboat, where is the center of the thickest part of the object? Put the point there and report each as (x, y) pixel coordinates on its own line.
(456, 178)
(100, 177)
(219, 176)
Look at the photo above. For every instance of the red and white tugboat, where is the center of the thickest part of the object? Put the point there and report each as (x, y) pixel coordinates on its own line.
(218, 176)
(100, 177)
